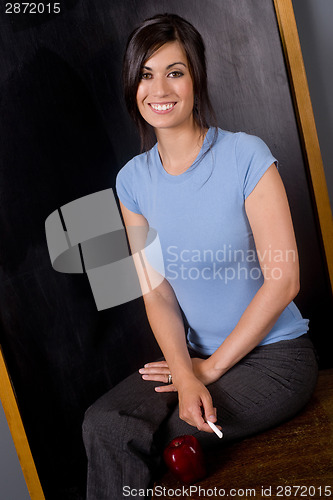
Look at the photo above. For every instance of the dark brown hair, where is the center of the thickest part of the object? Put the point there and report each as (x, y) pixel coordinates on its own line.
(143, 42)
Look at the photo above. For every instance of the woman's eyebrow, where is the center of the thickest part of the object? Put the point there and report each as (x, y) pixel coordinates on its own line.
(168, 67)
(174, 64)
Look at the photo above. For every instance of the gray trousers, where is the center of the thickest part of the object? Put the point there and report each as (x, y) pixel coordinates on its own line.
(126, 430)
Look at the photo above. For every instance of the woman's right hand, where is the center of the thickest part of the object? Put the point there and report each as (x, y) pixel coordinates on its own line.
(195, 401)
(195, 404)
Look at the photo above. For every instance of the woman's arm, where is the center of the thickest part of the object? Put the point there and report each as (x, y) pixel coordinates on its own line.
(268, 213)
(165, 319)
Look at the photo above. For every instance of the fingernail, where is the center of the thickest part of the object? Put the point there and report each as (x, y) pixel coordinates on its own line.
(141, 370)
(212, 417)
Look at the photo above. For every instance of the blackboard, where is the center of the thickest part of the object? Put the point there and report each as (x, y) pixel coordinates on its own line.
(64, 134)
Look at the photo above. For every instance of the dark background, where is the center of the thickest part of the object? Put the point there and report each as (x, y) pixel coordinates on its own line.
(64, 133)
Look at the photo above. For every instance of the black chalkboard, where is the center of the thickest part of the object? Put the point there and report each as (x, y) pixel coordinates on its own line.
(64, 134)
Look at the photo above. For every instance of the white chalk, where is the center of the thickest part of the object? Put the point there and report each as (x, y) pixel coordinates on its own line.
(215, 429)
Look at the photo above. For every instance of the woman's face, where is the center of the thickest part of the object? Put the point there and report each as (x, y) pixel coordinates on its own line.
(165, 92)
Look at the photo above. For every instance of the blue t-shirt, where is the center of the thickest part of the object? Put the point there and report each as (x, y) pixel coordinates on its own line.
(208, 247)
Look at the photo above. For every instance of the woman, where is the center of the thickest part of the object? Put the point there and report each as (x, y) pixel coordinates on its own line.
(231, 266)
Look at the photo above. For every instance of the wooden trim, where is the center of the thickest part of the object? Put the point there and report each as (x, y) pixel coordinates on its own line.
(303, 108)
(19, 436)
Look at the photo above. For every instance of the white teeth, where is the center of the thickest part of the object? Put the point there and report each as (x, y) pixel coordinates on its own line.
(162, 107)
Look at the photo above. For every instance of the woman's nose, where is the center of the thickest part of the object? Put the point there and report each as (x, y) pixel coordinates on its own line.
(160, 87)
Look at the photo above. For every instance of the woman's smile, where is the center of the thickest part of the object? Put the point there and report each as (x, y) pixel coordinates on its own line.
(162, 108)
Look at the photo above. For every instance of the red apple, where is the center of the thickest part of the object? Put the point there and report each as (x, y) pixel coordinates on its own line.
(184, 457)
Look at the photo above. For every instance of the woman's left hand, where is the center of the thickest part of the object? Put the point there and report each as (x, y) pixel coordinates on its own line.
(159, 371)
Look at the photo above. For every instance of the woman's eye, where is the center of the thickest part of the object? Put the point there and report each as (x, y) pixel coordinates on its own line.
(175, 74)
(145, 76)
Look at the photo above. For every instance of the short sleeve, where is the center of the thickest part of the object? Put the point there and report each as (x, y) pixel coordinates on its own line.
(253, 158)
(126, 186)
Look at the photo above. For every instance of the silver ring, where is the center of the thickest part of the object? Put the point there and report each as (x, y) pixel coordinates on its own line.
(169, 378)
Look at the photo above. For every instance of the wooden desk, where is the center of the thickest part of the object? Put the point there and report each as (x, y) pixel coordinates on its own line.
(297, 453)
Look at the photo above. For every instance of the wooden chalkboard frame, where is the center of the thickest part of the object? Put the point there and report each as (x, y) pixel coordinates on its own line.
(306, 125)
(308, 134)
(16, 427)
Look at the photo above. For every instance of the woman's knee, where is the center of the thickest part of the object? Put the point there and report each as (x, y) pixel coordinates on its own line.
(101, 424)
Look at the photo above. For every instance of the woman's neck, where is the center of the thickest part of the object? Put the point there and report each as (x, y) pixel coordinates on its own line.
(178, 148)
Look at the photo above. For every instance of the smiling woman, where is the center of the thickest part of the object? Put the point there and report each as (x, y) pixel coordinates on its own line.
(246, 361)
